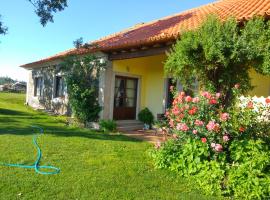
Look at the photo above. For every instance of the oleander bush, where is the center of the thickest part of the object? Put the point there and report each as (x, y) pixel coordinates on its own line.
(224, 150)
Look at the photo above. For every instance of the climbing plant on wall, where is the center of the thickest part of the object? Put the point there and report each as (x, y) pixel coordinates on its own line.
(82, 78)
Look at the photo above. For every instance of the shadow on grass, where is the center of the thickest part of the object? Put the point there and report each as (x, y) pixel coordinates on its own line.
(66, 132)
(4, 111)
(19, 123)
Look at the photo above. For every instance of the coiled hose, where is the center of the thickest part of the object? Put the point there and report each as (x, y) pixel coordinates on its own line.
(36, 166)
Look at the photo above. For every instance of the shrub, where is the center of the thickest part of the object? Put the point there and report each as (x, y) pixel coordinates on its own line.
(223, 149)
(167, 154)
(249, 176)
(220, 54)
(107, 125)
(82, 79)
(190, 158)
(146, 116)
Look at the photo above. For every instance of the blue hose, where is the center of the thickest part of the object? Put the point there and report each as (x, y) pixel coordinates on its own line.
(36, 166)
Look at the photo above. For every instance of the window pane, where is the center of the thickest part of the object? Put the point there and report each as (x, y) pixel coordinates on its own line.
(131, 93)
(59, 86)
(130, 102)
(131, 84)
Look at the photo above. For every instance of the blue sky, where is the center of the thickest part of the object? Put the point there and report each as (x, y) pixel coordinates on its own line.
(28, 41)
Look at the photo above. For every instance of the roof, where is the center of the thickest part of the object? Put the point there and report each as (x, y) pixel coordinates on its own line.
(169, 28)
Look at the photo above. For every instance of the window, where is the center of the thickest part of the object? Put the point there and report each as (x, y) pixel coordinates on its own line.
(38, 81)
(192, 90)
(59, 86)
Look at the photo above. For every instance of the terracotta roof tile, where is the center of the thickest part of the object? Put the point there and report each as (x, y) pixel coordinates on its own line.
(169, 28)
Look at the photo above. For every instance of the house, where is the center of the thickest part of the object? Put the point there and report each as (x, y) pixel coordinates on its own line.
(19, 86)
(134, 77)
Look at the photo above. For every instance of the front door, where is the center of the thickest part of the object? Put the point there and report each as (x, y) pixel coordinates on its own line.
(125, 98)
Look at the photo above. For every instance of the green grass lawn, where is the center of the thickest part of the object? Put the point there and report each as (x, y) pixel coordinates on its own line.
(93, 165)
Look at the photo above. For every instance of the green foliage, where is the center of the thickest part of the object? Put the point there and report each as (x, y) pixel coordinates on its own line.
(220, 54)
(46, 8)
(6, 80)
(249, 176)
(165, 156)
(224, 150)
(190, 160)
(146, 116)
(107, 125)
(211, 176)
(3, 29)
(82, 78)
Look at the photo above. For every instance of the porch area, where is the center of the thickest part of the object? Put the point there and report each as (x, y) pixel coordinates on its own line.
(131, 85)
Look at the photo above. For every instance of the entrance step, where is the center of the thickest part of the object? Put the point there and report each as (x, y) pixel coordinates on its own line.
(129, 125)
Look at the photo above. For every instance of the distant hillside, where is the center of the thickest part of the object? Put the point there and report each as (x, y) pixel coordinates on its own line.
(6, 80)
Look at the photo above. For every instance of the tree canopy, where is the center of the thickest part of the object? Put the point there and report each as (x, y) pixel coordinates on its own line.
(44, 10)
(221, 54)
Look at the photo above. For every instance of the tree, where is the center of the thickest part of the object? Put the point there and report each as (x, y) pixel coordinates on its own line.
(221, 54)
(6, 80)
(44, 10)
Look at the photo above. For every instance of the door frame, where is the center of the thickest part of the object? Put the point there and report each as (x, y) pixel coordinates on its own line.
(138, 100)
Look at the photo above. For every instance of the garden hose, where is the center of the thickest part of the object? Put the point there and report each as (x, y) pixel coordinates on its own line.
(36, 166)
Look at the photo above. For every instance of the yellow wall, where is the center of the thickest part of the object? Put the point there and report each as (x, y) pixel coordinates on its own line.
(261, 83)
(150, 70)
(151, 73)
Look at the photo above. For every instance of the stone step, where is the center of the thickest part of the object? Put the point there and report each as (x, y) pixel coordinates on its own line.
(129, 128)
(129, 125)
(128, 122)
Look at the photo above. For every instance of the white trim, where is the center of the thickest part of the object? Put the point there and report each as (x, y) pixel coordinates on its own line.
(165, 98)
(138, 101)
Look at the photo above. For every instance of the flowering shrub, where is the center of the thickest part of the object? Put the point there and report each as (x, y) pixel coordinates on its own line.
(208, 142)
(204, 118)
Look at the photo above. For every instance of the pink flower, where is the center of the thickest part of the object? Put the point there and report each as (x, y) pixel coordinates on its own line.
(213, 145)
(236, 86)
(192, 111)
(157, 144)
(186, 107)
(204, 140)
(212, 101)
(226, 138)
(196, 100)
(182, 127)
(206, 94)
(182, 94)
(194, 132)
(171, 88)
(175, 136)
(218, 95)
(242, 129)
(171, 123)
(250, 105)
(188, 98)
(198, 122)
(218, 147)
(267, 100)
(212, 126)
(175, 111)
(224, 116)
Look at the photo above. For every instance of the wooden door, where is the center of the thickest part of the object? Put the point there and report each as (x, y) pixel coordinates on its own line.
(125, 98)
